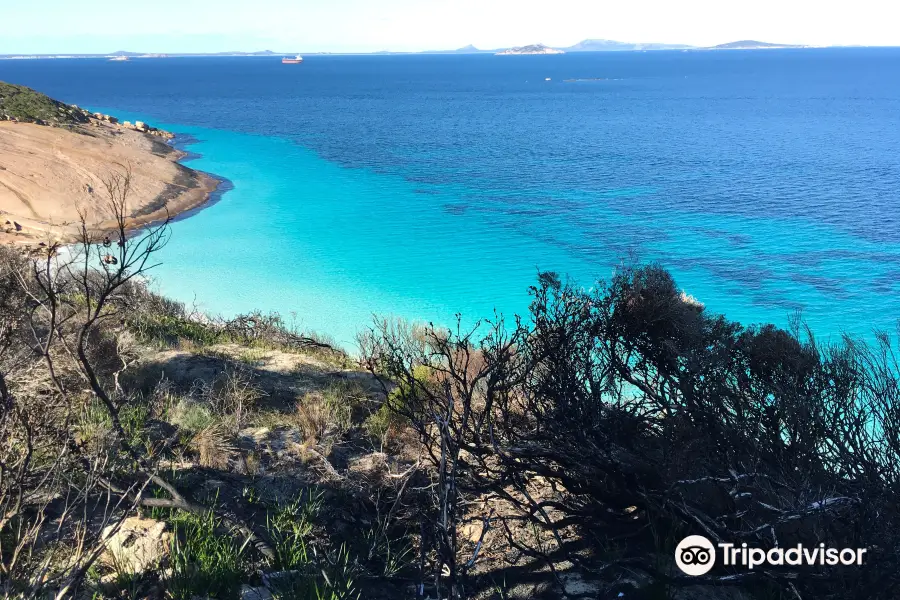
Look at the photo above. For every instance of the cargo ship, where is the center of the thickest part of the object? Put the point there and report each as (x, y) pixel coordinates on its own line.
(292, 61)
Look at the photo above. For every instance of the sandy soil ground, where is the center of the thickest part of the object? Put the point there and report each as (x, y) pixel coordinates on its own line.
(49, 174)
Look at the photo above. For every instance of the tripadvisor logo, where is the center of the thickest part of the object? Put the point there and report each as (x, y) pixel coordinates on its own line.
(696, 555)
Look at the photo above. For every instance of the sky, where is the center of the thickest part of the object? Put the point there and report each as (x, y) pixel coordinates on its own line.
(104, 26)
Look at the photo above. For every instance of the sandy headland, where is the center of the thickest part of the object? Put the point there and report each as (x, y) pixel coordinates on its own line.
(51, 174)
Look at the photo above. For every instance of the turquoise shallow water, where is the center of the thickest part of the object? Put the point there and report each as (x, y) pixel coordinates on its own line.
(421, 187)
(332, 247)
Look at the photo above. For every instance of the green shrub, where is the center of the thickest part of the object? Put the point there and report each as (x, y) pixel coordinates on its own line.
(169, 331)
(378, 424)
(330, 409)
(25, 104)
(388, 418)
(408, 390)
(392, 552)
(191, 416)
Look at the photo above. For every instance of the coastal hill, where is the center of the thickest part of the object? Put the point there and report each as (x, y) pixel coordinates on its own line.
(532, 49)
(752, 45)
(26, 105)
(469, 49)
(55, 157)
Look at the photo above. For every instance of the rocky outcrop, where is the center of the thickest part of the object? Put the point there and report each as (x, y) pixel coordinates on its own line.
(105, 118)
(144, 128)
(138, 545)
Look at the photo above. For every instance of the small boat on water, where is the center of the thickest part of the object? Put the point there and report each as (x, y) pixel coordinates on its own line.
(119, 59)
(292, 61)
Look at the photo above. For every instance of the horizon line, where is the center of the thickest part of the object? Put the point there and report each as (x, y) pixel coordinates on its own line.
(461, 50)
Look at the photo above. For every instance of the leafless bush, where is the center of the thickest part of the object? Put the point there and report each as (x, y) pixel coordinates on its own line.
(644, 419)
(270, 329)
(232, 395)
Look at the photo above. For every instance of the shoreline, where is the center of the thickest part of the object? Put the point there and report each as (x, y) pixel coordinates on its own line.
(49, 176)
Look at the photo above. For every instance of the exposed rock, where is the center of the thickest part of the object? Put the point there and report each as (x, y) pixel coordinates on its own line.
(141, 126)
(576, 586)
(472, 531)
(105, 118)
(255, 593)
(138, 545)
(281, 442)
(374, 464)
(163, 134)
(254, 435)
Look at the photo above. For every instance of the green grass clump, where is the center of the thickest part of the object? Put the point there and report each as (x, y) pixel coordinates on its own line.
(191, 416)
(333, 578)
(94, 425)
(26, 105)
(307, 572)
(204, 561)
(253, 357)
(289, 527)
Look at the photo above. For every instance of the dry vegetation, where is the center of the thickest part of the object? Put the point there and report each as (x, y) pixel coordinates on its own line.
(151, 452)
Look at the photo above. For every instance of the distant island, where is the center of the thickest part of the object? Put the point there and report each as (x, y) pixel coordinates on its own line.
(589, 45)
(752, 45)
(532, 49)
(122, 54)
(614, 46)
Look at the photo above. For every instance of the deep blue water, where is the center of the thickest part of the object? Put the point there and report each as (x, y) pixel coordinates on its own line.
(422, 186)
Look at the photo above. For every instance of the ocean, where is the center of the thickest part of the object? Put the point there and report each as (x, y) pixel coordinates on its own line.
(422, 187)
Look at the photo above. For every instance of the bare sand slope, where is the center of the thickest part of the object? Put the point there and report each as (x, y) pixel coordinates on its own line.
(48, 173)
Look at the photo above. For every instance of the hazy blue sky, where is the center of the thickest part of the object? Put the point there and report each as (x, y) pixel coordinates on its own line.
(101, 26)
